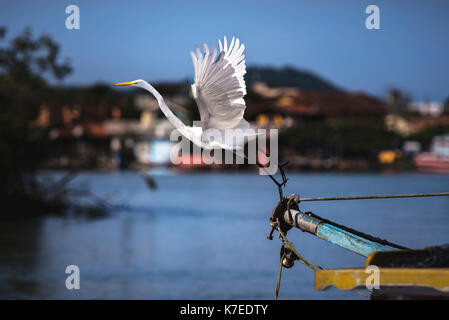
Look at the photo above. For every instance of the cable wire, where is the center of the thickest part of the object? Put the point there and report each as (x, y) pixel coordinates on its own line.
(390, 196)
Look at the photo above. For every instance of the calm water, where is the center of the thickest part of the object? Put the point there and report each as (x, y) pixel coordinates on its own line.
(203, 236)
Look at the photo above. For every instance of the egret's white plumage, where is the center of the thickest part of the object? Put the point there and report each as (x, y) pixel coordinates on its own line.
(218, 90)
(219, 86)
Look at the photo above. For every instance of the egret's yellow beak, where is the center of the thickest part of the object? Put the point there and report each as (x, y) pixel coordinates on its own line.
(125, 83)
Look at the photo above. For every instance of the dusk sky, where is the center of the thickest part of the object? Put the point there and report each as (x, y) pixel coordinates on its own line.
(127, 40)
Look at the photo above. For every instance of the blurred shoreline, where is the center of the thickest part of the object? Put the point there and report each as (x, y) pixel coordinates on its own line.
(321, 127)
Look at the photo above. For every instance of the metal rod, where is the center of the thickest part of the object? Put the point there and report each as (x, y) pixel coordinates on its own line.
(333, 234)
(415, 195)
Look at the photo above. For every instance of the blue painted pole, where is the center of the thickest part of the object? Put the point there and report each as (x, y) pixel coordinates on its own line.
(333, 234)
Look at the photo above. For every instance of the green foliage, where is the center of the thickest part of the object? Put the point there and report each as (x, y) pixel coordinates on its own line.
(29, 59)
(25, 63)
(426, 135)
(343, 137)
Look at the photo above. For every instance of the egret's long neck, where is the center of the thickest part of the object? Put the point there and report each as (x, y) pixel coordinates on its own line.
(178, 124)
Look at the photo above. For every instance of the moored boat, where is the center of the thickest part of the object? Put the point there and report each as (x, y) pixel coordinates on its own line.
(437, 160)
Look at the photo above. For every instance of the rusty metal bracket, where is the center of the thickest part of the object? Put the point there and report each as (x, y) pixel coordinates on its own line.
(288, 257)
(277, 221)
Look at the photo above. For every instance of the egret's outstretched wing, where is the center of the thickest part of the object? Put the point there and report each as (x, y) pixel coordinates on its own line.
(219, 86)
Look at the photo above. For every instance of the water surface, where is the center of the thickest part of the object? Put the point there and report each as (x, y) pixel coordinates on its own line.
(203, 236)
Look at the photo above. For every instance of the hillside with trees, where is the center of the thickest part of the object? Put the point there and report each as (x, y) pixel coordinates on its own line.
(288, 77)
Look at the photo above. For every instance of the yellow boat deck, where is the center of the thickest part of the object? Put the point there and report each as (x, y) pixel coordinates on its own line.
(396, 274)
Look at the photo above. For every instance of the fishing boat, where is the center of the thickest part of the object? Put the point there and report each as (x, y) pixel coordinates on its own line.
(391, 271)
(401, 274)
(437, 160)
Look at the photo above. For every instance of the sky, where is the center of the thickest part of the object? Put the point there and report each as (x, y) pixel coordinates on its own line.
(126, 40)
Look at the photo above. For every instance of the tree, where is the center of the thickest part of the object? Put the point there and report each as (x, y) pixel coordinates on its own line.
(26, 65)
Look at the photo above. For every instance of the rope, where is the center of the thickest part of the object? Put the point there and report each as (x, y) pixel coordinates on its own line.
(412, 195)
(312, 266)
(278, 281)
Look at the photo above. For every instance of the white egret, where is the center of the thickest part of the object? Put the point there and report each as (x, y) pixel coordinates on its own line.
(218, 90)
